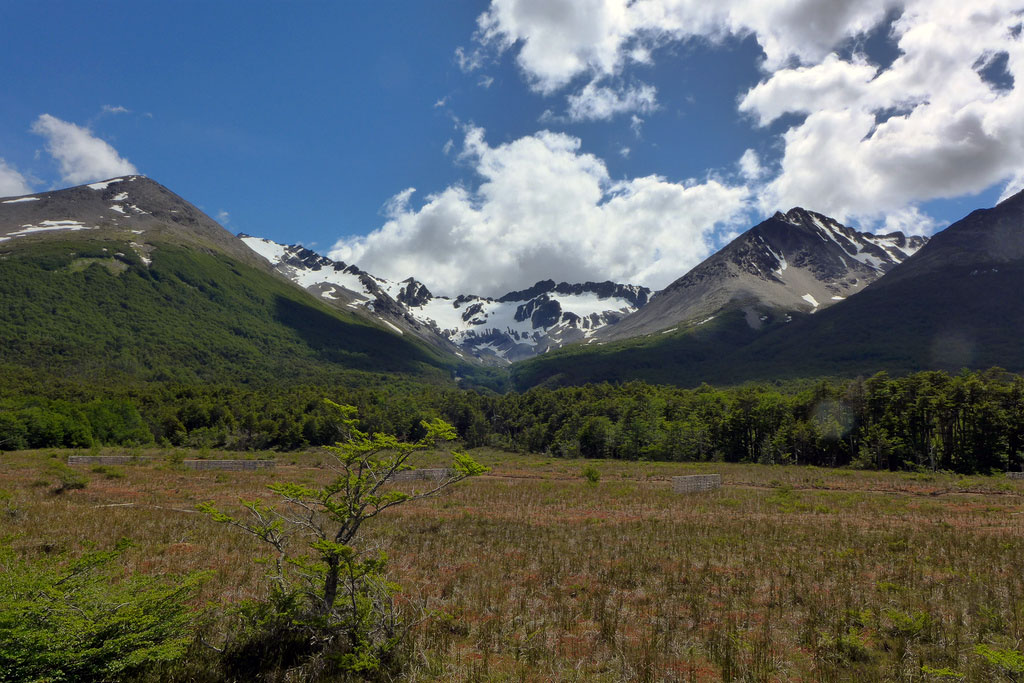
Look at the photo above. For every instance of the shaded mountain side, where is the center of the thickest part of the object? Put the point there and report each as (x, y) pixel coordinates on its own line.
(683, 356)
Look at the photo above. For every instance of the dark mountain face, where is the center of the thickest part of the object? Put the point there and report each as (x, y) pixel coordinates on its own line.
(798, 261)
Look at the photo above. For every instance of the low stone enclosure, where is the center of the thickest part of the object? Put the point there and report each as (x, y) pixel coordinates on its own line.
(235, 465)
(425, 474)
(1015, 475)
(696, 482)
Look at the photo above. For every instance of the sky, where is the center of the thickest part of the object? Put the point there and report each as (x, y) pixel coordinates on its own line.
(483, 146)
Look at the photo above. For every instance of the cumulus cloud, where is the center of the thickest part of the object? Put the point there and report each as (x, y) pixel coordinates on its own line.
(115, 109)
(545, 209)
(559, 40)
(879, 141)
(750, 166)
(941, 120)
(12, 183)
(81, 156)
(600, 102)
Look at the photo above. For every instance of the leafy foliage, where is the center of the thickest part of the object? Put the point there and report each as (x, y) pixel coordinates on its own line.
(82, 622)
(190, 315)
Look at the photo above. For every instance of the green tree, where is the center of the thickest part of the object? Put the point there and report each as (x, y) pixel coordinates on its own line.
(329, 596)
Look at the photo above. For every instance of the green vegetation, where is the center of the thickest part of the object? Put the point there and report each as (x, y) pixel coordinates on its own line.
(971, 422)
(82, 620)
(191, 315)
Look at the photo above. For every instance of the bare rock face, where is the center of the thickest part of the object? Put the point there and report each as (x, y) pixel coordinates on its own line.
(798, 261)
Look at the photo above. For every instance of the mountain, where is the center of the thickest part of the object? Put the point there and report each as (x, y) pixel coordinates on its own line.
(500, 330)
(956, 303)
(799, 261)
(953, 304)
(123, 280)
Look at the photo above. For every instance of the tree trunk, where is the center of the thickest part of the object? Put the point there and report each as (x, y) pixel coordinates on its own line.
(330, 585)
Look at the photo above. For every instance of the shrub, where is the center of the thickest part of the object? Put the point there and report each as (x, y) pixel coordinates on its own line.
(77, 622)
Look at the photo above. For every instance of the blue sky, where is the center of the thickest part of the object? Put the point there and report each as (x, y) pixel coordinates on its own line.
(571, 139)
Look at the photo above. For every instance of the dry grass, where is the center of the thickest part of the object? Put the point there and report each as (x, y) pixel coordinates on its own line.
(536, 574)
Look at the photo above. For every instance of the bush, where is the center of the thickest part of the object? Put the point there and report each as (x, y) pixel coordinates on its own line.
(77, 622)
(591, 474)
(67, 478)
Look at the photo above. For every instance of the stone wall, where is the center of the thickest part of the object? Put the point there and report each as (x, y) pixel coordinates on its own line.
(696, 482)
(1015, 475)
(235, 465)
(107, 459)
(426, 474)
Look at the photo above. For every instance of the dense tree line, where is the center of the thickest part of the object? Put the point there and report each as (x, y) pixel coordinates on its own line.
(971, 422)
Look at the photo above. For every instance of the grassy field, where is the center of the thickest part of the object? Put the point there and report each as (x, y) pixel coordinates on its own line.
(532, 572)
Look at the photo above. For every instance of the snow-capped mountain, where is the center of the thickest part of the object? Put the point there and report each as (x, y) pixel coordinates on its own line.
(505, 329)
(799, 261)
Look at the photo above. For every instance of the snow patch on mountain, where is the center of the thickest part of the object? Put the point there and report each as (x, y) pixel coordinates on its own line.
(514, 326)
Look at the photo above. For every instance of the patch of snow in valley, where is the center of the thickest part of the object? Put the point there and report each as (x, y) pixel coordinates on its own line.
(810, 299)
(120, 197)
(22, 199)
(668, 331)
(118, 208)
(394, 327)
(838, 298)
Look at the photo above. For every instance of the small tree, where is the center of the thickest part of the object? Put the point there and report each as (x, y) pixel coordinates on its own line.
(330, 598)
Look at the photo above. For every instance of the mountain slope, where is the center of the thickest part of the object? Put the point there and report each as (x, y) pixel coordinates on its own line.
(955, 303)
(799, 261)
(499, 330)
(123, 280)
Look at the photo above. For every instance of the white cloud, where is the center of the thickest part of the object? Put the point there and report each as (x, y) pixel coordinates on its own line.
(559, 40)
(223, 217)
(876, 139)
(485, 82)
(880, 141)
(12, 183)
(82, 157)
(598, 103)
(115, 109)
(545, 209)
(750, 166)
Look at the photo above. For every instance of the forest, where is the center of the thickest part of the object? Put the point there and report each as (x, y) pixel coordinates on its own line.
(972, 422)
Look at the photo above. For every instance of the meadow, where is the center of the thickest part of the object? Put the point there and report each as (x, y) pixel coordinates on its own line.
(537, 572)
